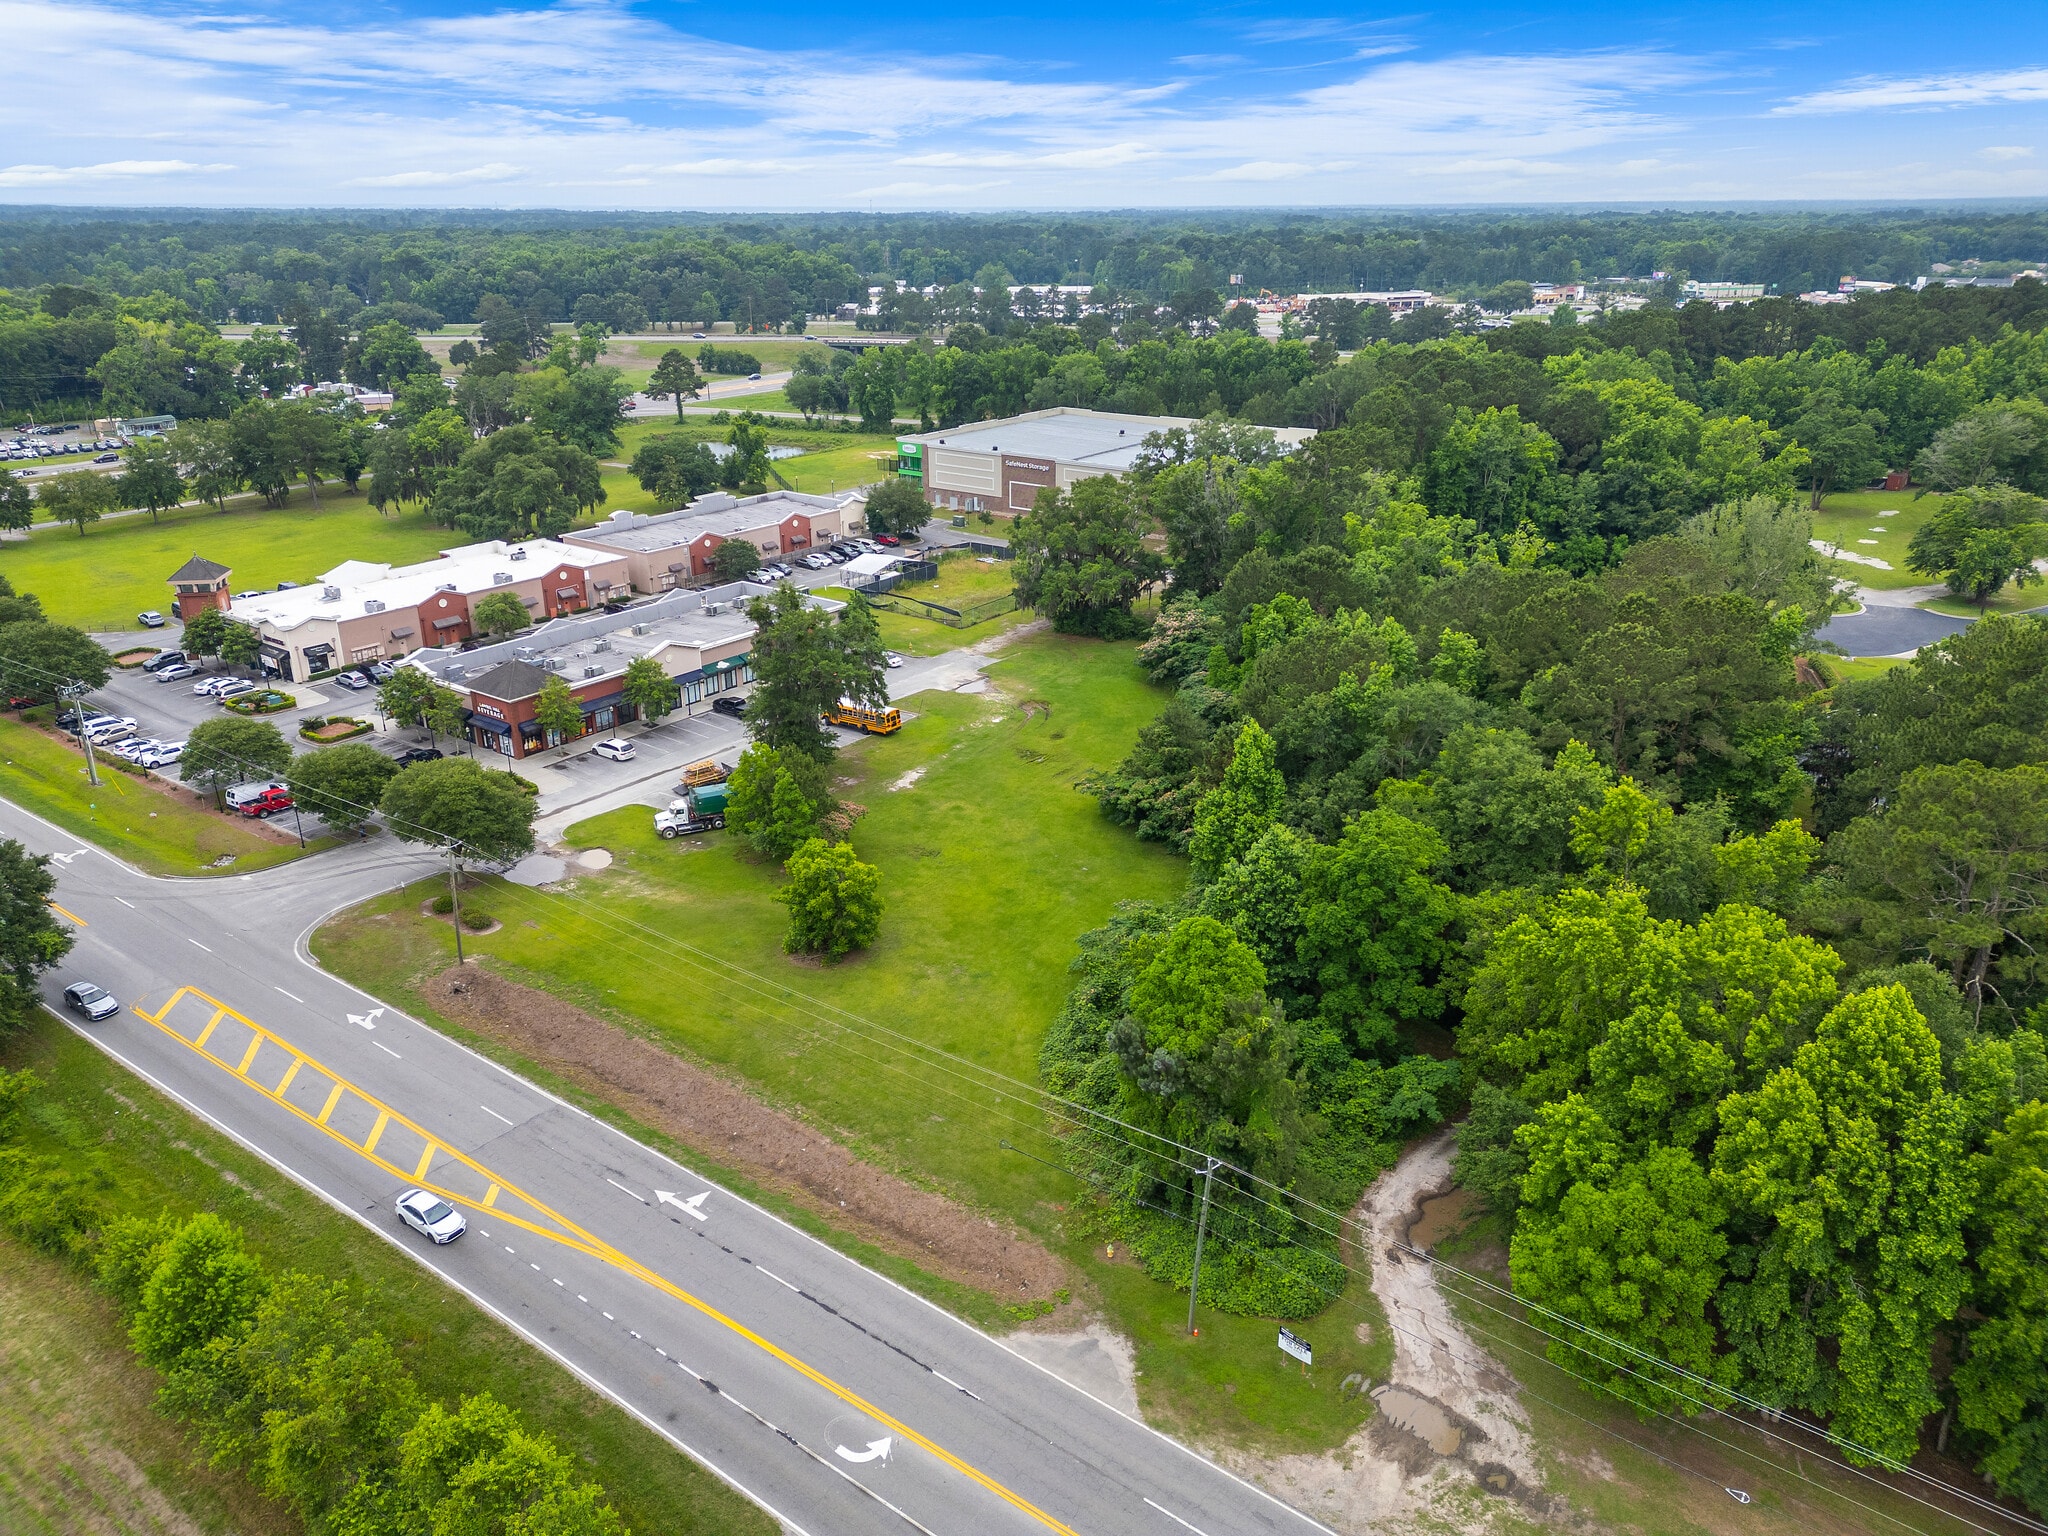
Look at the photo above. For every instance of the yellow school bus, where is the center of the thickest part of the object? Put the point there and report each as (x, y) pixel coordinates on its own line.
(876, 722)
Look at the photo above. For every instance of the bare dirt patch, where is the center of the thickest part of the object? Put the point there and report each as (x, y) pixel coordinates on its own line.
(703, 1110)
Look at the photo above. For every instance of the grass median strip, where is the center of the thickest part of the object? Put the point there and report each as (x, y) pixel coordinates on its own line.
(164, 834)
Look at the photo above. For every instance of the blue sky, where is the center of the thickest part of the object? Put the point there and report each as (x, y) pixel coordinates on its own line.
(794, 105)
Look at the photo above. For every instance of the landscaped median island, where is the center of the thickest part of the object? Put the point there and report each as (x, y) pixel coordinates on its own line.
(102, 1149)
(159, 828)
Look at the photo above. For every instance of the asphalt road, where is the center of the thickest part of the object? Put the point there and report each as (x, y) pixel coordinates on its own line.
(837, 1400)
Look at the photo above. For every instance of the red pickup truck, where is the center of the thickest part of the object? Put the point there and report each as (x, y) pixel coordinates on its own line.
(267, 803)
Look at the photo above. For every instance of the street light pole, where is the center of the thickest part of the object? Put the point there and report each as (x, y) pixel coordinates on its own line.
(1201, 1230)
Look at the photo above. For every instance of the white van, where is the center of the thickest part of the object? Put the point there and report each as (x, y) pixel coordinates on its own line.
(243, 794)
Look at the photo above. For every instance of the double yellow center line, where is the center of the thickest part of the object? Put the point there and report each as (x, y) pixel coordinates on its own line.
(345, 1100)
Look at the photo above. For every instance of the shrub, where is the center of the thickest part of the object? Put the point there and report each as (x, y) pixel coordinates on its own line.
(476, 919)
(444, 904)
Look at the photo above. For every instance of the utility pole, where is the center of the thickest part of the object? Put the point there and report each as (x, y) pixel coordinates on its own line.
(76, 693)
(1201, 1230)
(455, 898)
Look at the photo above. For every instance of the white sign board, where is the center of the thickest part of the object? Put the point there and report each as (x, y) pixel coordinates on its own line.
(1297, 1347)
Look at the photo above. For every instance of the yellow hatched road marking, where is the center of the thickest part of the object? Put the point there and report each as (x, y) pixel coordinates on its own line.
(212, 1024)
(426, 1157)
(578, 1240)
(290, 1072)
(255, 1045)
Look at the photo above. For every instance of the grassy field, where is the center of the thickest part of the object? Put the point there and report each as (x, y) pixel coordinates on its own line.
(992, 864)
(121, 566)
(963, 579)
(163, 834)
(147, 1155)
(1838, 669)
(1854, 521)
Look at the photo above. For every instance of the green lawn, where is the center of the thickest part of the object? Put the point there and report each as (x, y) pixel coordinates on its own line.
(163, 834)
(963, 579)
(120, 566)
(1851, 521)
(1837, 669)
(147, 1155)
(992, 864)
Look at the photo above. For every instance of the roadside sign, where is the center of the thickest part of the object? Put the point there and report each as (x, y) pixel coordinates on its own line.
(1296, 1346)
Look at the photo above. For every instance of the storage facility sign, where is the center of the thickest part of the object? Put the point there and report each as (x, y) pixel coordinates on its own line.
(1296, 1346)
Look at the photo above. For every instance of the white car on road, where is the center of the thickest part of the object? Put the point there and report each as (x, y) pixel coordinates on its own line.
(431, 1216)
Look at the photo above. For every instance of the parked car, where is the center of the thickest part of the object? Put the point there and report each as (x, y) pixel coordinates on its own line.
(431, 1216)
(781, 570)
(867, 546)
(817, 562)
(287, 586)
(354, 681)
(108, 458)
(726, 704)
(134, 749)
(208, 686)
(382, 671)
(164, 659)
(74, 718)
(252, 592)
(262, 798)
(888, 540)
(162, 755)
(617, 750)
(102, 731)
(234, 688)
(176, 672)
(890, 658)
(763, 577)
(413, 755)
(149, 618)
(94, 1002)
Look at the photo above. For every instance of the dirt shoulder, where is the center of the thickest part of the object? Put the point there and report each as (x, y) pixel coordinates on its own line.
(703, 1110)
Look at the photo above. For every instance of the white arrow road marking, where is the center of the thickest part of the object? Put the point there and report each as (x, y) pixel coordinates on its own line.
(367, 1020)
(76, 853)
(693, 1206)
(878, 1450)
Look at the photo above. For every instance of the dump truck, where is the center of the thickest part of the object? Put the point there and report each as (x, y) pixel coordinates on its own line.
(876, 722)
(696, 810)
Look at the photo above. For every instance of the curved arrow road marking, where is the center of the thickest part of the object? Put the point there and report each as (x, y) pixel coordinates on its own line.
(878, 1450)
(693, 1206)
(367, 1020)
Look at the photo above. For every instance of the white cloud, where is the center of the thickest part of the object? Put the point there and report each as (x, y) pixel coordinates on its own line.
(2007, 151)
(906, 189)
(1925, 92)
(1102, 157)
(106, 170)
(471, 177)
(1256, 170)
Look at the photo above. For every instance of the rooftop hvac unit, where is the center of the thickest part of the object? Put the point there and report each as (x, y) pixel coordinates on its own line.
(602, 645)
(371, 605)
(500, 578)
(446, 586)
(714, 608)
(517, 554)
(330, 594)
(592, 671)
(551, 663)
(641, 629)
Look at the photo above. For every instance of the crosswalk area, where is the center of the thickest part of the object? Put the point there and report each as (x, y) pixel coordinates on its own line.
(352, 1116)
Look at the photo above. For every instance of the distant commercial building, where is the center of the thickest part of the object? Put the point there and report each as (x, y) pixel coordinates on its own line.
(1863, 285)
(1001, 466)
(1724, 293)
(702, 640)
(363, 611)
(664, 550)
(1400, 301)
